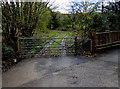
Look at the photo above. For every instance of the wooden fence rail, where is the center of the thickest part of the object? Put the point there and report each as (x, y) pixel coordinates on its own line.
(105, 39)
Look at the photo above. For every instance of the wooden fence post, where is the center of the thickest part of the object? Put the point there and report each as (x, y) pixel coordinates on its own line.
(18, 46)
(93, 43)
(76, 53)
(110, 37)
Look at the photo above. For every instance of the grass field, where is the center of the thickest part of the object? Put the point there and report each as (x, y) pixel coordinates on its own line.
(50, 34)
(53, 33)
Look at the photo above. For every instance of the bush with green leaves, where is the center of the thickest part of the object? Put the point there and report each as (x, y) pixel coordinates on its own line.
(7, 53)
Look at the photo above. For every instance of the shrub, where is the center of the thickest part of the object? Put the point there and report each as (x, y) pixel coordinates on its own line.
(69, 26)
(7, 53)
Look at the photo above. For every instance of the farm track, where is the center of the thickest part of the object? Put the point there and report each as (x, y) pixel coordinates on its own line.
(47, 46)
(63, 49)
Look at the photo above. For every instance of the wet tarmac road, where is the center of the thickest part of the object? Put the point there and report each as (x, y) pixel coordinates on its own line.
(72, 71)
(52, 65)
(29, 69)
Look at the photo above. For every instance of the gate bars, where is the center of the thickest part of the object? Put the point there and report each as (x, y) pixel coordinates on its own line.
(58, 46)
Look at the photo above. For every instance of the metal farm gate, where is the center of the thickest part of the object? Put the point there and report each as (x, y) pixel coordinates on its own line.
(39, 47)
(49, 47)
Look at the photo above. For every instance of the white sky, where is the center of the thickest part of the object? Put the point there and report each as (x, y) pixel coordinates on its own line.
(62, 4)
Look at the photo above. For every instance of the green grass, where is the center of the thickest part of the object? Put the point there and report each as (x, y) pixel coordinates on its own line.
(55, 44)
(48, 33)
(0, 31)
(53, 33)
(58, 40)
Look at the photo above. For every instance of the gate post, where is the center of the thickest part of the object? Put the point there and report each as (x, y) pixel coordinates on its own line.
(76, 46)
(18, 46)
(93, 43)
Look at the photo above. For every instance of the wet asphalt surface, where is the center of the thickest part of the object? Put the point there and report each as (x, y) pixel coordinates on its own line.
(70, 71)
(56, 64)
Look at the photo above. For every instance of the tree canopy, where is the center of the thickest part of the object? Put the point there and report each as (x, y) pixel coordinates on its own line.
(26, 19)
(22, 19)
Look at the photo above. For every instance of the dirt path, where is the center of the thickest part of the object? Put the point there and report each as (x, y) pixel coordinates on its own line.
(63, 49)
(65, 72)
(46, 47)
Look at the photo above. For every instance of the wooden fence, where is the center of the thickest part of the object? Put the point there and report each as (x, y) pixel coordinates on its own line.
(105, 39)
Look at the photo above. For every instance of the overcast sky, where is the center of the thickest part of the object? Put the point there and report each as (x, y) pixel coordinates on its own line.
(62, 4)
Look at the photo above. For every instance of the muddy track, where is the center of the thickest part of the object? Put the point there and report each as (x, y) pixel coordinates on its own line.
(63, 48)
(46, 47)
